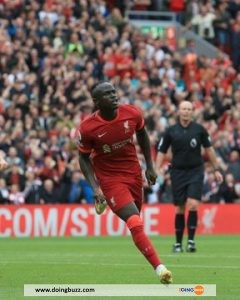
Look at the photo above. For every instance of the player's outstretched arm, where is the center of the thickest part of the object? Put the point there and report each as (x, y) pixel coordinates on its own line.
(144, 143)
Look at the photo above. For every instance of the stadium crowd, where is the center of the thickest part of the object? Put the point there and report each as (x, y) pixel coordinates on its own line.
(217, 21)
(52, 53)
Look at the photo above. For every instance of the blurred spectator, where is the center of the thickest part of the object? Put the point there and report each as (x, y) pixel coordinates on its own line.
(49, 194)
(217, 22)
(140, 4)
(13, 158)
(33, 189)
(228, 191)
(203, 23)
(178, 6)
(234, 8)
(49, 170)
(87, 192)
(222, 26)
(75, 189)
(15, 176)
(15, 196)
(116, 19)
(74, 46)
(210, 189)
(166, 190)
(4, 192)
(235, 41)
(234, 165)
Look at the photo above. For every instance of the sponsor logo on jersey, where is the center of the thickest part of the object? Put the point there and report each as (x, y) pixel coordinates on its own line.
(102, 134)
(121, 144)
(106, 148)
(112, 200)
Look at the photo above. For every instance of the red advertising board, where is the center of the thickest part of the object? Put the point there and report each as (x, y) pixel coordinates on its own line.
(81, 220)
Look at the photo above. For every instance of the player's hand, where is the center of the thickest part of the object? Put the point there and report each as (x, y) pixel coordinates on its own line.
(151, 176)
(99, 196)
(218, 176)
(3, 164)
(100, 201)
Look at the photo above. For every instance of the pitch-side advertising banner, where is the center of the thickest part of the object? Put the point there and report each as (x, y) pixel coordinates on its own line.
(81, 220)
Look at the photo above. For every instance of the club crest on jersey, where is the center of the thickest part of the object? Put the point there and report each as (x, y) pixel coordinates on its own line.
(112, 200)
(193, 143)
(106, 148)
(126, 126)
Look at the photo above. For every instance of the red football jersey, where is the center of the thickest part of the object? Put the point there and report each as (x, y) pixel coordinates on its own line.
(111, 143)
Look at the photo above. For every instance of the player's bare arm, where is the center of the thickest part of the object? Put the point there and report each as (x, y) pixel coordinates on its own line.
(213, 159)
(86, 168)
(159, 161)
(144, 143)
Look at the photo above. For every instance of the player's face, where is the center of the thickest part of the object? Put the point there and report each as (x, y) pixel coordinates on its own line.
(107, 99)
(185, 111)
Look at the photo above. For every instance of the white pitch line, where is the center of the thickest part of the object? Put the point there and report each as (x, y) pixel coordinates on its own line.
(176, 255)
(121, 264)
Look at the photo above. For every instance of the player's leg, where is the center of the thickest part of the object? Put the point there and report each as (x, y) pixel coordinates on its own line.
(179, 188)
(179, 227)
(194, 195)
(192, 219)
(130, 214)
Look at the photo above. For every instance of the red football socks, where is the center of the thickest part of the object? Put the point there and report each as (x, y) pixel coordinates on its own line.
(141, 240)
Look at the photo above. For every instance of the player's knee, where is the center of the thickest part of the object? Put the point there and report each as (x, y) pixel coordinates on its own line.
(134, 221)
(193, 207)
(193, 204)
(180, 209)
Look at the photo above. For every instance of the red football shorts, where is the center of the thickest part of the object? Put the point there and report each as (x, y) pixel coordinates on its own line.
(120, 193)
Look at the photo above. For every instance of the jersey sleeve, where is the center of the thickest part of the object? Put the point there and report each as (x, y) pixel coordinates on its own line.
(165, 142)
(83, 141)
(206, 140)
(139, 118)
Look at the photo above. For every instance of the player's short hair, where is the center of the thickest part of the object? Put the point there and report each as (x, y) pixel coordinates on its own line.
(96, 87)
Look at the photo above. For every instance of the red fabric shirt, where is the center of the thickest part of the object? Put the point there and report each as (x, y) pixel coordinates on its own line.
(126, 62)
(110, 66)
(176, 5)
(111, 143)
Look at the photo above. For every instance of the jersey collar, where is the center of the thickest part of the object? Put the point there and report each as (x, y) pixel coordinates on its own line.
(106, 121)
(183, 126)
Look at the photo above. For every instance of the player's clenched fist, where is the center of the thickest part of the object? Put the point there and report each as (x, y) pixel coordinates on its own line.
(3, 164)
(151, 176)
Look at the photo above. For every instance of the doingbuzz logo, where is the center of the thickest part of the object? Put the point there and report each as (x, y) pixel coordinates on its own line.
(197, 290)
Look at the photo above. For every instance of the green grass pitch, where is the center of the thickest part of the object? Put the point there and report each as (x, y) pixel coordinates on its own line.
(115, 260)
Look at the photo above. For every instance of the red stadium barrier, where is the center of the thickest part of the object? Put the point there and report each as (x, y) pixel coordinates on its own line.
(81, 220)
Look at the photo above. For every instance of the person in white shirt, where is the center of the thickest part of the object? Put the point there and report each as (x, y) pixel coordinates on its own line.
(204, 23)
